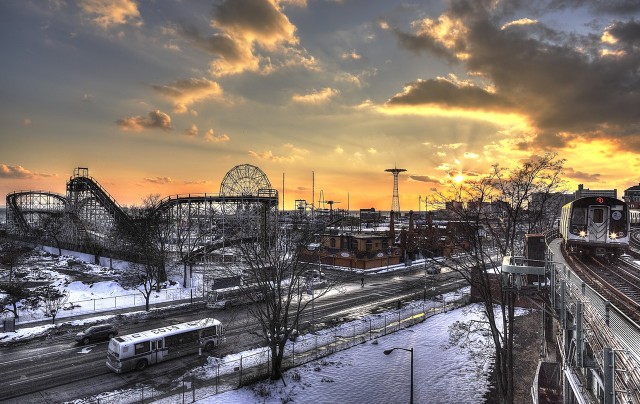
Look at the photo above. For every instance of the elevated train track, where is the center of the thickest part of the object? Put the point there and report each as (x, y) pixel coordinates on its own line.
(618, 281)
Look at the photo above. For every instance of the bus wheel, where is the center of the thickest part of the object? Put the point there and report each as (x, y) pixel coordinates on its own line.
(208, 347)
(141, 365)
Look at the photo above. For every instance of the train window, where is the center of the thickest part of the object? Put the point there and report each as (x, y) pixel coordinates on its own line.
(579, 216)
(598, 216)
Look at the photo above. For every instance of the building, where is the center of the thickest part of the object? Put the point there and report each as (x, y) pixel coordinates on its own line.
(632, 196)
(354, 250)
(584, 192)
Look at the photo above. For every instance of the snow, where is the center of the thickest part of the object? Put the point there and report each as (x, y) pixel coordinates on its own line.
(363, 374)
(360, 374)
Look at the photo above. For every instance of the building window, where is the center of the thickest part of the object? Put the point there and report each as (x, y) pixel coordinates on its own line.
(369, 245)
(332, 242)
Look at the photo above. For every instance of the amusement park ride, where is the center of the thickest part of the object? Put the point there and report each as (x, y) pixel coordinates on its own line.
(86, 218)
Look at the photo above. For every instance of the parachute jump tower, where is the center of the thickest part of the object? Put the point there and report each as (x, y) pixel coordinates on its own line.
(395, 200)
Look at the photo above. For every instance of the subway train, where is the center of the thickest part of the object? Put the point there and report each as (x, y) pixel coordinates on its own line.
(595, 225)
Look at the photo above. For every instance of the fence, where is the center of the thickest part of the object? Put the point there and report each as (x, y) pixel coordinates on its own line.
(109, 303)
(220, 375)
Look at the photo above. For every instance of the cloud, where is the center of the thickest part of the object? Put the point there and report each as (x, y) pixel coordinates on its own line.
(261, 21)
(580, 176)
(244, 29)
(425, 178)
(443, 92)
(203, 182)
(558, 86)
(159, 180)
(290, 154)
(372, 150)
(192, 131)
(338, 149)
(351, 55)
(19, 172)
(522, 21)
(469, 155)
(212, 137)
(109, 13)
(26, 121)
(316, 97)
(156, 119)
(186, 92)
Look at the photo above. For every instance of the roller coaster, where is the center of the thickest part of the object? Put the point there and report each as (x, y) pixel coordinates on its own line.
(88, 218)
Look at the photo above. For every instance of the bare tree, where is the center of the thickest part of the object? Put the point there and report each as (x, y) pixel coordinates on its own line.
(275, 284)
(51, 299)
(12, 253)
(146, 238)
(15, 293)
(492, 215)
(143, 277)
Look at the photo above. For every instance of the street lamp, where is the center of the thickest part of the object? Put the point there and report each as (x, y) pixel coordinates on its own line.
(388, 351)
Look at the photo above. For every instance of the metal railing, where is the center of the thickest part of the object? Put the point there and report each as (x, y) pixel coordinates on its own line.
(107, 304)
(221, 375)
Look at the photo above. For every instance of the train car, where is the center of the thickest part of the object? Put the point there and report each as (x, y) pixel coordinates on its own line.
(596, 225)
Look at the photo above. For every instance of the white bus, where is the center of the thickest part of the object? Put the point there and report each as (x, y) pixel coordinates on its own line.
(141, 349)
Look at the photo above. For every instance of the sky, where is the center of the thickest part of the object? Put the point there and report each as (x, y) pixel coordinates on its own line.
(167, 96)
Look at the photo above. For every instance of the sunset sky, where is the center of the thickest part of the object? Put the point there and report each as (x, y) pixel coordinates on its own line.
(166, 96)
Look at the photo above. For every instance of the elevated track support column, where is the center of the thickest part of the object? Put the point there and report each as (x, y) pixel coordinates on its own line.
(609, 357)
(579, 335)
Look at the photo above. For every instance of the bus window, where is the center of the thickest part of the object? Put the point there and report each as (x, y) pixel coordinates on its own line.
(142, 347)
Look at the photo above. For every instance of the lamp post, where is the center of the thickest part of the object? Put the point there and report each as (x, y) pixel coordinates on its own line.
(388, 351)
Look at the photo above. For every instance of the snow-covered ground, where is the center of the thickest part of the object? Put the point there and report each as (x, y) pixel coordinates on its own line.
(363, 374)
(359, 374)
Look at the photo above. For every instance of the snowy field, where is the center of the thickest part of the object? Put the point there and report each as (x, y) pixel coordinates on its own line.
(363, 374)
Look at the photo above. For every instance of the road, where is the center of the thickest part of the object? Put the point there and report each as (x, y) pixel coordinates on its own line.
(58, 370)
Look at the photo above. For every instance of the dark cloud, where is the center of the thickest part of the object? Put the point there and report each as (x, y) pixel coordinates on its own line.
(444, 92)
(218, 44)
(565, 83)
(156, 119)
(19, 172)
(628, 33)
(259, 19)
(580, 176)
(425, 178)
(620, 7)
(423, 43)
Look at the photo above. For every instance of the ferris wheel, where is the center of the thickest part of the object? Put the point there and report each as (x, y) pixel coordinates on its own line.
(244, 180)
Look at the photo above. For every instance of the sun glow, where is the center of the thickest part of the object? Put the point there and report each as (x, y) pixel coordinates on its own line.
(458, 178)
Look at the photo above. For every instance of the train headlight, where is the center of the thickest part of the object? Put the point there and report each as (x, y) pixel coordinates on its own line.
(613, 236)
(583, 233)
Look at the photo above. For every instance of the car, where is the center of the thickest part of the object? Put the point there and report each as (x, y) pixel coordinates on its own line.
(314, 273)
(97, 333)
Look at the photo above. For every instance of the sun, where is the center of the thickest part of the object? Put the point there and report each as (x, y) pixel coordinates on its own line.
(458, 178)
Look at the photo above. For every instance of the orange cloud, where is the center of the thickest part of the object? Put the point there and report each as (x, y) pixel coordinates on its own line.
(19, 172)
(210, 136)
(108, 13)
(186, 92)
(156, 119)
(316, 97)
